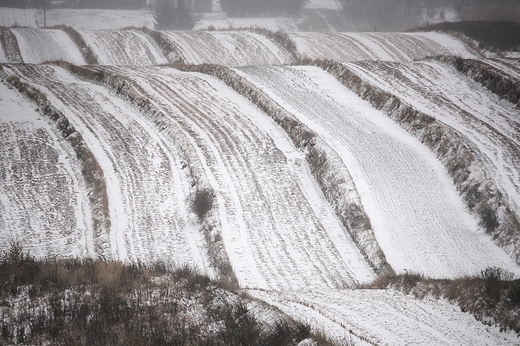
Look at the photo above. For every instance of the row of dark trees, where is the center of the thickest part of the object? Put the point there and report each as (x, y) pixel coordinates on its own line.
(170, 15)
(394, 14)
(104, 4)
(263, 7)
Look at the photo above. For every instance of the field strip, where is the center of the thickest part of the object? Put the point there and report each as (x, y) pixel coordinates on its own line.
(418, 218)
(43, 200)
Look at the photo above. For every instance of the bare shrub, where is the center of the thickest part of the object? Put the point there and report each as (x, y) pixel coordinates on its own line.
(110, 303)
(201, 201)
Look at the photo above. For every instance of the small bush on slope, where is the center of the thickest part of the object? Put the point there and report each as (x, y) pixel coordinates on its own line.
(92, 302)
(202, 201)
(492, 297)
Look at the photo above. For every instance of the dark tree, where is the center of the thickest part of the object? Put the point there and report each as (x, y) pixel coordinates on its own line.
(264, 7)
(173, 16)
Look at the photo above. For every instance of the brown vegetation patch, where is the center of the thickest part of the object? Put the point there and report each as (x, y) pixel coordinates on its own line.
(10, 45)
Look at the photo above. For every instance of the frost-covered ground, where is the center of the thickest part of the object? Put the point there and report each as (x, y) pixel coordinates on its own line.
(282, 237)
(228, 48)
(145, 184)
(441, 92)
(231, 48)
(346, 47)
(418, 218)
(385, 317)
(123, 47)
(38, 46)
(43, 200)
(278, 230)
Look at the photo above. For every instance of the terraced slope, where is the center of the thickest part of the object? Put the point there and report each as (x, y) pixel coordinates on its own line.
(418, 218)
(510, 67)
(146, 186)
(385, 317)
(228, 48)
(278, 231)
(123, 47)
(42, 45)
(43, 199)
(345, 47)
(480, 116)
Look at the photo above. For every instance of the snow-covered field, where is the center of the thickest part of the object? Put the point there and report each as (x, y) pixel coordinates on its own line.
(146, 187)
(38, 46)
(228, 48)
(43, 202)
(159, 134)
(419, 220)
(385, 317)
(344, 47)
(123, 47)
(232, 48)
(491, 124)
(278, 231)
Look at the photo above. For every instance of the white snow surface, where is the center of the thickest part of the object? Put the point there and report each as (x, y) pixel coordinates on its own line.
(276, 235)
(418, 218)
(43, 200)
(146, 187)
(228, 48)
(385, 317)
(41, 45)
(345, 47)
(123, 47)
(440, 91)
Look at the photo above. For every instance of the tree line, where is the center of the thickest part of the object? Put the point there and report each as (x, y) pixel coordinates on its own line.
(103, 4)
(399, 14)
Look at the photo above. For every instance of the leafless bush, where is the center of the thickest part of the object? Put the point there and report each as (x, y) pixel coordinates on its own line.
(93, 302)
(201, 201)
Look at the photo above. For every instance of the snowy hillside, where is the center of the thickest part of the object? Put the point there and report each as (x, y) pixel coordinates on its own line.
(253, 47)
(302, 184)
(410, 209)
(345, 47)
(125, 47)
(38, 46)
